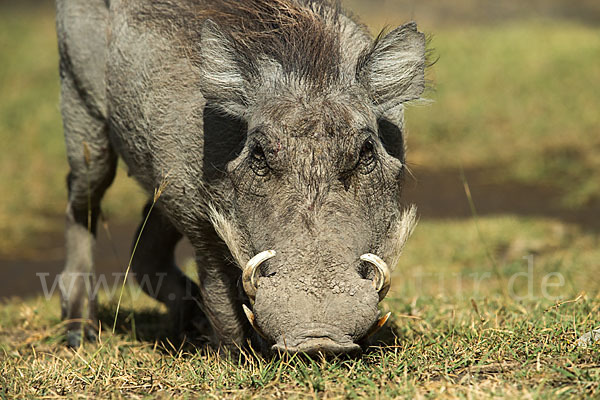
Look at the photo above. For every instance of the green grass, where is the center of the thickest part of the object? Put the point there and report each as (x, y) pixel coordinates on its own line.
(471, 316)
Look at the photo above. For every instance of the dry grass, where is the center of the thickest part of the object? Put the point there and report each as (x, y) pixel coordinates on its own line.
(448, 349)
(458, 330)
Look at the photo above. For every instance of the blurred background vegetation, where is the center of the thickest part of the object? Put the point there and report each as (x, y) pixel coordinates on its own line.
(513, 111)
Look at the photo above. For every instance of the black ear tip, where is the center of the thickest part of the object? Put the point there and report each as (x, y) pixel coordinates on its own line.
(412, 25)
(408, 29)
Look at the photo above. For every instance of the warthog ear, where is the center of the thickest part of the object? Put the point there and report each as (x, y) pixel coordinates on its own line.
(226, 71)
(393, 70)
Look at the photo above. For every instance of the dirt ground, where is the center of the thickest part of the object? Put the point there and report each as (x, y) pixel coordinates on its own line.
(438, 195)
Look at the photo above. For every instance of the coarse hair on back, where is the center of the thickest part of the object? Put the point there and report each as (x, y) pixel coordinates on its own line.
(302, 36)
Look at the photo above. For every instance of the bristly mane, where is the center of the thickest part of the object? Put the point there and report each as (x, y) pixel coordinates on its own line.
(303, 36)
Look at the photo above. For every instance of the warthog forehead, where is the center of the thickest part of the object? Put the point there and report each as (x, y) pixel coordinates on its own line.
(340, 114)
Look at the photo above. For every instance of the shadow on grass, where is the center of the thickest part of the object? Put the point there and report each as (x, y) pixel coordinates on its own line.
(387, 337)
(152, 326)
(145, 325)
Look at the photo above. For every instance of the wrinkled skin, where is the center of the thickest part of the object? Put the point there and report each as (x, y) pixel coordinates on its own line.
(322, 180)
(293, 145)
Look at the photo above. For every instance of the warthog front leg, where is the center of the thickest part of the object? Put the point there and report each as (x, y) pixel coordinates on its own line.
(93, 165)
(77, 281)
(155, 270)
(220, 289)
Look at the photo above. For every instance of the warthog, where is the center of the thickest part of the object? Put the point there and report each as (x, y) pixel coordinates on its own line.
(274, 130)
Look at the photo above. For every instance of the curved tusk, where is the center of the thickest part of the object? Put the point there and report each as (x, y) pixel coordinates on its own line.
(252, 320)
(383, 279)
(249, 272)
(380, 322)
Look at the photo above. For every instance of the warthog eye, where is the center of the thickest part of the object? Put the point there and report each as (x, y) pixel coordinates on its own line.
(258, 161)
(368, 158)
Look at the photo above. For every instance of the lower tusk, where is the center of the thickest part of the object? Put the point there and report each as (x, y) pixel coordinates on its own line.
(252, 320)
(378, 325)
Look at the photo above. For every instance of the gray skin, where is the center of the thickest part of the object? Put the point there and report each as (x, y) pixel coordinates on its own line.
(285, 133)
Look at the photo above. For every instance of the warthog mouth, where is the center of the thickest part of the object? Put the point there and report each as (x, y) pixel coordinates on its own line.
(317, 339)
(319, 345)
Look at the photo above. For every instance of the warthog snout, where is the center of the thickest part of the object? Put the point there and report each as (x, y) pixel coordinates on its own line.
(284, 324)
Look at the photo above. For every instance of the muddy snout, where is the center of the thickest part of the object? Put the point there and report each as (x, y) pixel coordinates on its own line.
(321, 311)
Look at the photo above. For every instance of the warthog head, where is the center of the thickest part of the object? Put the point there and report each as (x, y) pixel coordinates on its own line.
(315, 190)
